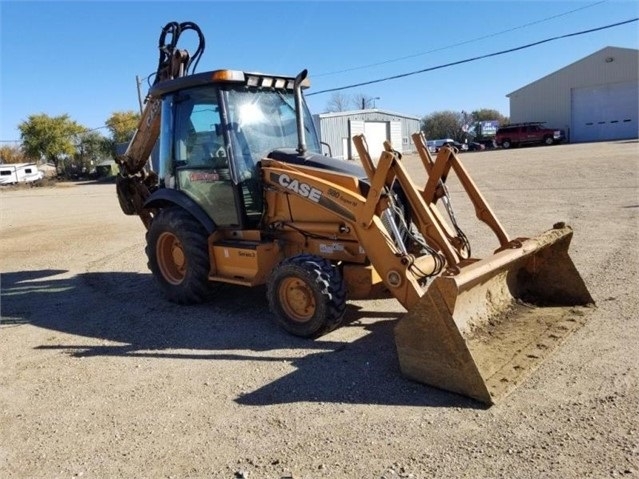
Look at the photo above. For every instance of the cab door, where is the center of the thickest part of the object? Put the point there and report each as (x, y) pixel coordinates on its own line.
(201, 159)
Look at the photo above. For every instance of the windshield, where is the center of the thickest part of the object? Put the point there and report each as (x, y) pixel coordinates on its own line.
(262, 121)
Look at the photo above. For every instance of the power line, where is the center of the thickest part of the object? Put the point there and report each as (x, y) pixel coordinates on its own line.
(468, 60)
(459, 43)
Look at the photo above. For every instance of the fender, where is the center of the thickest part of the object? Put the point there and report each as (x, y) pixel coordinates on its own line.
(168, 197)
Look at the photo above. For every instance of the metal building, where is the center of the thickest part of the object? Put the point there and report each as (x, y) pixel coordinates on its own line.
(337, 130)
(595, 98)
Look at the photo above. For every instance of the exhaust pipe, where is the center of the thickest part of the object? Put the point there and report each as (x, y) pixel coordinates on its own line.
(299, 111)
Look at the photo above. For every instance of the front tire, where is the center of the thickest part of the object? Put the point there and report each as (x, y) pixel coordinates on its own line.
(307, 295)
(177, 249)
(549, 140)
(506, 144)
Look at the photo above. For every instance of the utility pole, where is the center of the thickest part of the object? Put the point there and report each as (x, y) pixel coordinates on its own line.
(138, 82)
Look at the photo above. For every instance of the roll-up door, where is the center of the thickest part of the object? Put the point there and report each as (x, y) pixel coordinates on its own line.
(605, 112)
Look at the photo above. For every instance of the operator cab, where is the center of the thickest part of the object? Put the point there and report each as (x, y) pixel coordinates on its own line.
(215, 128)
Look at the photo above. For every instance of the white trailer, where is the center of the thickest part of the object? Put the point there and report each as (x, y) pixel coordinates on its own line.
(19, 173)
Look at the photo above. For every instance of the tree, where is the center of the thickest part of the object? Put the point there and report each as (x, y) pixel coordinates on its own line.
(92, 148)
(487, 114)
(337, 102)
(11, 154)
(51, 138)
(363, 101)
(444, 124)
(122, 125)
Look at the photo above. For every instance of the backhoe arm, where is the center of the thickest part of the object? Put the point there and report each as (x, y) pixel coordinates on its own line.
(136, 181)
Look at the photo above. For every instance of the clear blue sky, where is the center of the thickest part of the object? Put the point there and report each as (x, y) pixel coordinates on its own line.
(81, 58)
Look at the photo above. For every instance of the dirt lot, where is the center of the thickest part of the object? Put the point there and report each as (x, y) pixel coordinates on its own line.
(102, 378)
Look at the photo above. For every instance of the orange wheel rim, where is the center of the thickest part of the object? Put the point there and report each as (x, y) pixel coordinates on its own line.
(171, 258)
(297, 299)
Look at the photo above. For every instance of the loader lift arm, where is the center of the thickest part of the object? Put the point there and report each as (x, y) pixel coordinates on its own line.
(136, 180)
(438, 171)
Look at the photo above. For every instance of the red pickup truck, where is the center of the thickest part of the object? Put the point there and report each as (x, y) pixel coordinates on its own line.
(528, 133)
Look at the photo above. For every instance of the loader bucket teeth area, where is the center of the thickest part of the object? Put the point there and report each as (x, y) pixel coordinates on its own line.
(483, 331)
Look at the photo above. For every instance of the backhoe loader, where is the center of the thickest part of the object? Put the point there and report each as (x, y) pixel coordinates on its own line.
(244, 196)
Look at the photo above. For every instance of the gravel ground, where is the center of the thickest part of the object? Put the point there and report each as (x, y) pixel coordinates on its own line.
(102, 378)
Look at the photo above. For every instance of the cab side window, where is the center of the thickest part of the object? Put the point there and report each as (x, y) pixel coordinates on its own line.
(199, 141)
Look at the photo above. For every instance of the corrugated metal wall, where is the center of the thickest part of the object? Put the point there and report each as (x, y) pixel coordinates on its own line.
(333, 128)
(549, 98)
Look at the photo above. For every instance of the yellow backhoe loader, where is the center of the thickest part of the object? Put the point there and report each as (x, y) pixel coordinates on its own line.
(243, 195)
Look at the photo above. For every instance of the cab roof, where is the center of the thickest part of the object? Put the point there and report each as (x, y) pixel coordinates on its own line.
(250, 79)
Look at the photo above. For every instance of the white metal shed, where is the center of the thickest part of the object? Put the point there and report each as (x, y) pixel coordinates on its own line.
(337, 129)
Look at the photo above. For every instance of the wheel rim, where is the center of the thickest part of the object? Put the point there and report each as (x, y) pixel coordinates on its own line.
(297, 299)
(171, 259)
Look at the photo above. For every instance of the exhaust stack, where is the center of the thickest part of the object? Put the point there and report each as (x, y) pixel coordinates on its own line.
(299, 111)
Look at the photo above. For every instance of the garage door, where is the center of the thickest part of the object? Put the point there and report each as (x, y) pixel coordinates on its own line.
(376, 133)
(605, 112)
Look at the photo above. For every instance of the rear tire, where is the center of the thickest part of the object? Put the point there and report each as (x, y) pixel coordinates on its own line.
(177, 248)
(307, 295)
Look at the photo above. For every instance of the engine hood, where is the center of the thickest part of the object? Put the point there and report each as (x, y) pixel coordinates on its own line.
(290, 155)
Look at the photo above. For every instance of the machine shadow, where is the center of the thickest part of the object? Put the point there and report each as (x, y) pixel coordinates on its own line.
(123, 314)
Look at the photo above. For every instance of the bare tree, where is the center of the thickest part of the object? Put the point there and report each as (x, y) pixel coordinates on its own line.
(363, 101)
(337, 102)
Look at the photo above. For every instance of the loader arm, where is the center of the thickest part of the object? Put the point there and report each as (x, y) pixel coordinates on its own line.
(427, 219)
(438, 171)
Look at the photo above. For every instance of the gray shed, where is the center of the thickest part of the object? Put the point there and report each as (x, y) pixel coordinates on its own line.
(338, 128)
(595, 98)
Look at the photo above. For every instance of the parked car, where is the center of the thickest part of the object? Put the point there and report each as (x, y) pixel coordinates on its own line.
(475, 146)
(528, 133)
(487, 143)
(435, 145)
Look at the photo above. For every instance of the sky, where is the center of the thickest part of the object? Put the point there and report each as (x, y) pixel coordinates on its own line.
(81, 58)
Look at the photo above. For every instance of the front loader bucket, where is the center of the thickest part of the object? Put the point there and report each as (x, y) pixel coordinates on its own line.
(481, 332)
